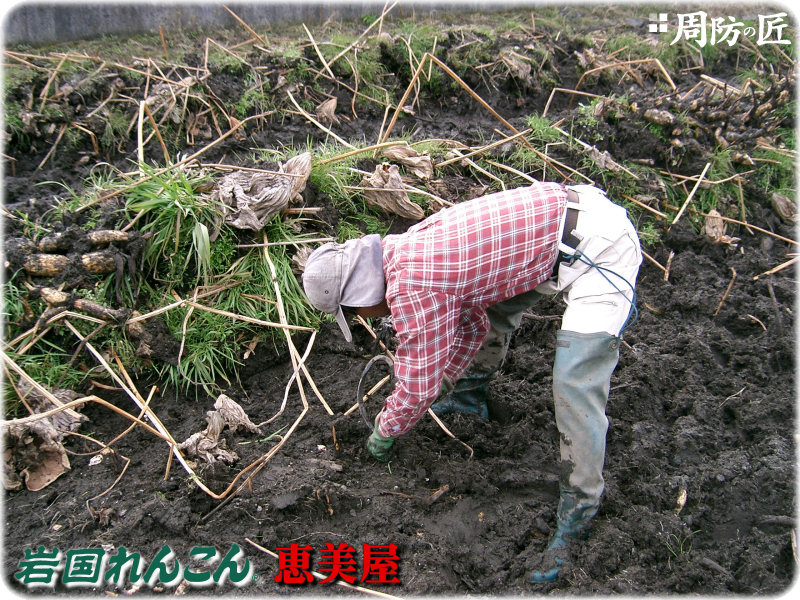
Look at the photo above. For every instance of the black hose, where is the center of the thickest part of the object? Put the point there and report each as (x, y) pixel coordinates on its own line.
(360, 391)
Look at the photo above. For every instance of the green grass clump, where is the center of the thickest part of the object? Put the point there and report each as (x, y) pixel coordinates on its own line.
(115, 128)
(256, 98)
(542, 130)
(177, 219)
(182, 257)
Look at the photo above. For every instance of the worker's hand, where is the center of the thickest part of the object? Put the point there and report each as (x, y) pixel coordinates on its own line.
(380, 447)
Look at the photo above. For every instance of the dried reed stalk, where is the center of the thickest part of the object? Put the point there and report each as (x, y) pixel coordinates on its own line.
(485, 148)
(568, 91)
(692, 193)
(780, 267)
(457, 79)
(627, 63)
(654, 261)
(318, 124)
(319, 54)
(245, 25)
(726, 294)
(378, 21)
(292, 349)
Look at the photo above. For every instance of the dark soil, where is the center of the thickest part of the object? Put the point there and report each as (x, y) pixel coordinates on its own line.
(702, 404)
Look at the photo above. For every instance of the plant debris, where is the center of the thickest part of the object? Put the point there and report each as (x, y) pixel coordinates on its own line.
(33, 456)
(385, 188)
(207, 445)
(251, 199)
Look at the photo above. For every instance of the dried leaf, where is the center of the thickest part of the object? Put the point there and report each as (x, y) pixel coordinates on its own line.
(603, 159)
(300, 168)
(326, 112)
(66, 420)
(385, 189)
(518, 65)
(451, 154)
(169, 92)
(588, 58)
(233, 414)
(11, 479)
(714, 228)
(33, 453)
(206, 444)
(419, 165)
(784, 207)
(208, 449)
(249, 199)
(198, 126)
(235, 123)
(299, 259)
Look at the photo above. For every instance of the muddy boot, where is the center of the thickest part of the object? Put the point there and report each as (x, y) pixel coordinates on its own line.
(581, 380)
(468, 397)
(573, 525)
(472, 390)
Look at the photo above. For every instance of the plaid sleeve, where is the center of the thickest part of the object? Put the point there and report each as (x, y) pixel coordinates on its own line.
(426, 322)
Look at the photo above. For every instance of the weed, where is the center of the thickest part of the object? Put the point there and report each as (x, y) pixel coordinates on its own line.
(542, 130)
(680, 547)
(649, 234)
(74, 137)
(228, 62)
(264, 439)
(13, 309)
(360, 225)
(777, 170)
(50, 365)
(116, 125)
(62, 207)
(333, 178)
(254, 100)
(348, 230)
(209, 350)
(526, 160)
(174, 215)
(629, 46)
(587, 114)
(223, 251)
(660, 131)
(722, 168)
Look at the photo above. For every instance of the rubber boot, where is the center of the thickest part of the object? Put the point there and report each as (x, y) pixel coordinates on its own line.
(581, 379)
(468, 397)
(471, 392)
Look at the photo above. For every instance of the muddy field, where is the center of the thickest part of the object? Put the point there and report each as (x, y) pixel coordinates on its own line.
(700, 467)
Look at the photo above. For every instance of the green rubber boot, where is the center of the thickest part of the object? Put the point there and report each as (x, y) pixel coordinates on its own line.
(468, 397)
(581, 379)
(471, 392)
(573, 524)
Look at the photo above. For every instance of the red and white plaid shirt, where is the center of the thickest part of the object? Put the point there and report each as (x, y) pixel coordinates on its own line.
(444, 272)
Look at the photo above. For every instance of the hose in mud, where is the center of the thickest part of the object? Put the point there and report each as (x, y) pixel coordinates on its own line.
(361, 396)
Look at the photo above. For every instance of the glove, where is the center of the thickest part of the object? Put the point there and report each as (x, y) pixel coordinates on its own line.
(380, 447)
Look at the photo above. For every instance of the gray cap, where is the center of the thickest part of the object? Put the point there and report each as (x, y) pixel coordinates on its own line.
(349, 274)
